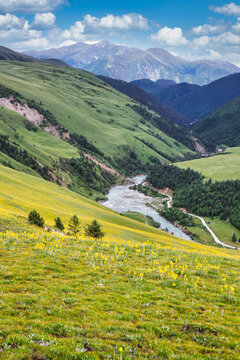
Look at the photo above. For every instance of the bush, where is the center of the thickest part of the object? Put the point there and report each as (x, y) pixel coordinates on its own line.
(35, 219)
(58, 223)
(74, 225)
(94, 230)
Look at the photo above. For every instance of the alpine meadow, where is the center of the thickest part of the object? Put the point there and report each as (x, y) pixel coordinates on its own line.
(119, 180)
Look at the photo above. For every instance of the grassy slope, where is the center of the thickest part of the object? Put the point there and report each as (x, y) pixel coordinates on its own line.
(85, 105)
(221, 167)
(221, 126)
(137, 294)
(45, 147)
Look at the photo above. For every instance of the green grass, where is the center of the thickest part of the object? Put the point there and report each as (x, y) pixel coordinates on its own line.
(224, 230)
(87, 106)
(138, 293)
(224, 166)
(45, 147)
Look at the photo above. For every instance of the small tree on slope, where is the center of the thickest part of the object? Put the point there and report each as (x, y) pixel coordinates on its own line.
(58, 223)
(94, 230)
(74, 225)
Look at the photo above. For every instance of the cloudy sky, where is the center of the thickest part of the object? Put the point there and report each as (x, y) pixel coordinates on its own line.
(190, 28)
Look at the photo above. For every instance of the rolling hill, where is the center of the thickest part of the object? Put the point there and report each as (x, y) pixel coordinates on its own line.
(8, 54)
(126, 63)
(221, 126)
(64, 114)
(145, 98)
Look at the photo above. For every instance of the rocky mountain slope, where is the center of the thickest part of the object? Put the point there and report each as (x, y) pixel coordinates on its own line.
(126, 63)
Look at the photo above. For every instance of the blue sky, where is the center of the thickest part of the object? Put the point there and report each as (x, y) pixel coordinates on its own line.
(190, 28)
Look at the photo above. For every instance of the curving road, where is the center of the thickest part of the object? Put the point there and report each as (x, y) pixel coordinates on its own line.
(215, 238)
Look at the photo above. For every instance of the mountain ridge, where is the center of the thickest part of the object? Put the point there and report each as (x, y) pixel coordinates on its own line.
(130, 63)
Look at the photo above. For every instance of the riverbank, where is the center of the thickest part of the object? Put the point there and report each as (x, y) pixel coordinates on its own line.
(122, 199)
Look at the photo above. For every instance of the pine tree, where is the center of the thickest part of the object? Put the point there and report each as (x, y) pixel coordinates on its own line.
(94, 230)
(74, 225)
(58, 223)
(234, 238)
(35, 219)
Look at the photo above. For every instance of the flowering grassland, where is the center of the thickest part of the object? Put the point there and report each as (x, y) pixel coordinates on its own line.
(79, 298)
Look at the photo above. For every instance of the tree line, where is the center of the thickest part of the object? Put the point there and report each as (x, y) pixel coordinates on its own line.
(94, 229)
(207, 199)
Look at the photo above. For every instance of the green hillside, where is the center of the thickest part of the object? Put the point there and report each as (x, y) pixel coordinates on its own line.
(222, 126)
(221, 167)
(138, 293)
(85, 105)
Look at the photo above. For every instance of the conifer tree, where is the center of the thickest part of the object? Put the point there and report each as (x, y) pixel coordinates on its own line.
(58, 223)
(94, 230)
(74, 225)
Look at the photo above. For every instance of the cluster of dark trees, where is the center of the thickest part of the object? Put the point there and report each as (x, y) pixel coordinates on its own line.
(220, 198)
(146, 190)
(130, 163)
(94, 229)
(89, 173)
(174, 215)
(162, 176)
(22, 156)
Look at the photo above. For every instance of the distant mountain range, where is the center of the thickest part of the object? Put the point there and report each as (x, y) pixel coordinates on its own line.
(129, 63)
(193, 101)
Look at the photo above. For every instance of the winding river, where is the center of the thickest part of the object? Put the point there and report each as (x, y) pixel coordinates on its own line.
(122, 199)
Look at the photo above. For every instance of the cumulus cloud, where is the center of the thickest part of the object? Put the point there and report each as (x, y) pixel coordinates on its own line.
(16, 33)
(124, 22)
(170, 37)
(91, 26)
(9, 21)
(207, 29)
(76, 32)
(43, 21)
(201, 41)
(227, 9)
(29, 6)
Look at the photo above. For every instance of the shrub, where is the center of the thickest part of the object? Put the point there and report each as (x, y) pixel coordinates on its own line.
(58, 223)
(35, 218)
(94, 230)
(74, 225)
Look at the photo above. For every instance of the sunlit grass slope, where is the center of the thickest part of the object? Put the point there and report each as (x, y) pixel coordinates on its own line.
(224, 166)
(138, 293)
(87, 106)
(43, 146)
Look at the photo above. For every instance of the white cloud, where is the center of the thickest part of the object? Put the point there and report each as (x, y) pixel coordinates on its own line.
(170, 37)
(227, 38)
(16, 33)
(207, 29)
(29, 6)
(201, 41)
(227, 9)
(43, 21)
(8, 21)
(76, 32)
(124, 22)
(236, 27)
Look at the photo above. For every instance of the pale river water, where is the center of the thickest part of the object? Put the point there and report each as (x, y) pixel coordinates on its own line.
(122, 199)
